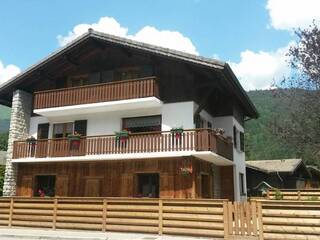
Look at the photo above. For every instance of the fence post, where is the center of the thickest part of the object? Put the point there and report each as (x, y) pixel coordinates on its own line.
(225, 219)
(11, 211)
(260, 219)
(160, 216)
(104, 215)
(54, 218)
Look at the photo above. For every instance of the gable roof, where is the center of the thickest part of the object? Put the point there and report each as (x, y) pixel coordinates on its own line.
(160, 51)
(273, 166)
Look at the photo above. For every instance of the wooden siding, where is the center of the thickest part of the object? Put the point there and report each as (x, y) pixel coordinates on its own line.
(118, 178)
(119, 90)
(226, 174)
(165, 141)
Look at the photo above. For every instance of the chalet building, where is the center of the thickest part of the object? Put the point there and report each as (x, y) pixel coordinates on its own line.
(280, 174)
(108, 116)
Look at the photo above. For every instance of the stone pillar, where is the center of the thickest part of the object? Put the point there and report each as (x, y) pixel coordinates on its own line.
(19, 130)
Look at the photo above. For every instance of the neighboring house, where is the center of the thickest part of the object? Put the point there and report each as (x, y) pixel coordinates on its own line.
(3, 155)
(314, 181)
(282, 174)
(149, 118)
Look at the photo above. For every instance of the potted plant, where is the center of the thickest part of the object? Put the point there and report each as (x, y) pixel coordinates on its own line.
(31, 140)
(177, 132)
(122, 136)
(185, 171)
(74, 140)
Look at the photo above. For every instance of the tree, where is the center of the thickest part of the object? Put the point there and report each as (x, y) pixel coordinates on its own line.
(301, 129)
(3, 141)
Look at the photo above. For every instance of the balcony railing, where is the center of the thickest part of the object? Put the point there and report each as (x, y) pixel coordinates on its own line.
(113, 91)
(166, 141)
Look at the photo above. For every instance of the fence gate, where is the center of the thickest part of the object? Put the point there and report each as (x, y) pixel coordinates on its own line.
(245, 220)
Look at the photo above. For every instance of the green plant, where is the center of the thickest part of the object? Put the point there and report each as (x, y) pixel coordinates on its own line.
(278, 195)
(2, 169)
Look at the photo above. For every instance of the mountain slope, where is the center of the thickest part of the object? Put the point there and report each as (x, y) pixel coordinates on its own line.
(261, 142)
(4, 118)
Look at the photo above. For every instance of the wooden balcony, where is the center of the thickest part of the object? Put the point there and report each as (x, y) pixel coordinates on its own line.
(197, 140)
(113, 91)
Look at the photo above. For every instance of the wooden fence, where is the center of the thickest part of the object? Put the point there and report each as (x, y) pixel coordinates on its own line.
(257, 219)
(299, 220)
(293, 194)
(159, 216)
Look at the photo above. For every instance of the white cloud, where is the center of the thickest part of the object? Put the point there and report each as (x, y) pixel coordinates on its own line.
(260, 70)
(289, 14)
(148, 34)
(7, 72)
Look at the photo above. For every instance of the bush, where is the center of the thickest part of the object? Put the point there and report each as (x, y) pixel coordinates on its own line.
(2, 168)
(278, 195)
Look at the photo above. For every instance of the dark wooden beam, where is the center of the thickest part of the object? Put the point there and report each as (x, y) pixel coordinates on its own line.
(71, 60)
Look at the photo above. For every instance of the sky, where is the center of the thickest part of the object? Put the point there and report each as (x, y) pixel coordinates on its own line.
(253, 36)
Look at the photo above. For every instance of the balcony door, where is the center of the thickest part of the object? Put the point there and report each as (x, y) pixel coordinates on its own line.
(142, 124)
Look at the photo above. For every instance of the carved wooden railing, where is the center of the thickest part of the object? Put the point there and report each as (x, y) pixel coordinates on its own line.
(119, 90)
(165, 141)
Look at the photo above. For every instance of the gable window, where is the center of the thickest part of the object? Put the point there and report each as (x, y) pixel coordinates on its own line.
(241, 182)
(142, 124)
(62, 130)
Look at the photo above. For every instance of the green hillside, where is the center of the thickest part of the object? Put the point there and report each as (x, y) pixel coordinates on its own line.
(261, 142)
(4, 118)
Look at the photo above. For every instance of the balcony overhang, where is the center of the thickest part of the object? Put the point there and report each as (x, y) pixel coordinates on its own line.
(203, 155)
(112, 106)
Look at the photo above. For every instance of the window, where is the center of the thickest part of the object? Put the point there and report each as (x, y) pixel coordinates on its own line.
(205, 186)
(43, 131)
(242, 141)
(235, 138)
(148, 185)
(62, 130)
(45, 186)
(241, 181)
(209, 125)
(142, 124)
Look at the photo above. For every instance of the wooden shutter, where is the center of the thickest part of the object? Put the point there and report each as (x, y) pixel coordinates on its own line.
(92, 187)
(43, 131)
(242, 141)
(166, 185)
(62, 186)
(127, 182)
(26, 186)
(80, 126)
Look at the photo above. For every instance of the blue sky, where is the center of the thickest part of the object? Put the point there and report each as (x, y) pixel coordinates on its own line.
(239, 32)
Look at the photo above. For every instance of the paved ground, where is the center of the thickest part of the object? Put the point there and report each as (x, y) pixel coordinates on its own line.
(40, 234)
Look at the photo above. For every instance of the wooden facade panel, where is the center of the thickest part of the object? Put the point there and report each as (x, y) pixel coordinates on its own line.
(227, 182)
(119, 178)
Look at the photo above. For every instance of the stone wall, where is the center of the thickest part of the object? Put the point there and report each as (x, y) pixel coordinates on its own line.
(19, 130)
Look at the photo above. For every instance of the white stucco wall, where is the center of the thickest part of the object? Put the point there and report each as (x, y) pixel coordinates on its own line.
(173, 115)
(227, 124)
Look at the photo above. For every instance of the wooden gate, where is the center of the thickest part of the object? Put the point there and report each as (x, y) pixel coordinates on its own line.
(244, 220)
